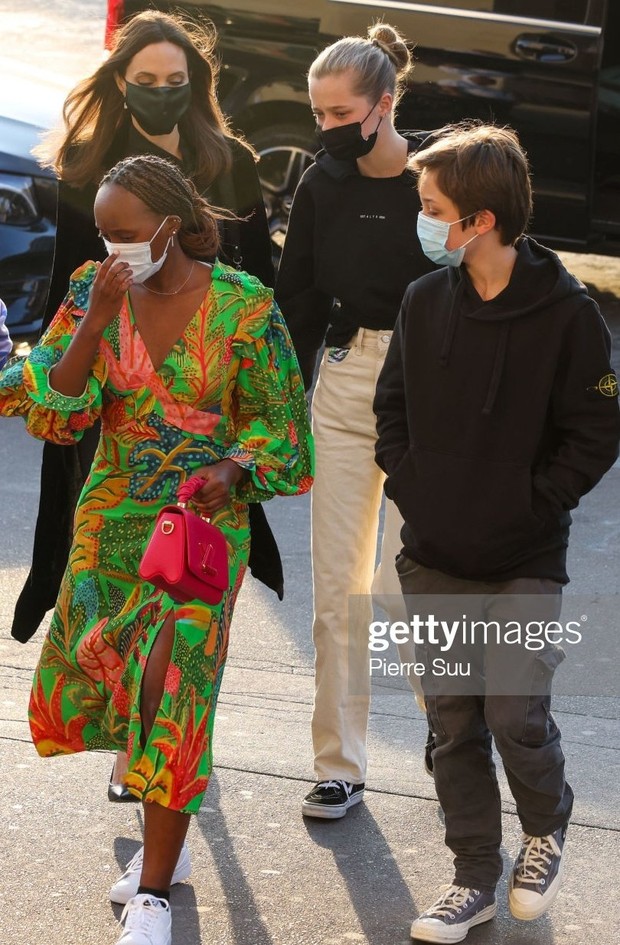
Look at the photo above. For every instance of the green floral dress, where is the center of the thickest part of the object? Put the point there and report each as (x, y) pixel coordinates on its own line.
(230, 388)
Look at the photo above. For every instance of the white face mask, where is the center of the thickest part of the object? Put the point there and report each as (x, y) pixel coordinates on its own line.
(138, 256)
(433, 235)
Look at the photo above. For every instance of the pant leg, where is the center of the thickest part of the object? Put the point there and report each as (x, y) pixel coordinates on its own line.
(387, 592)
(463, 767)
(346, 499)
(525, 732)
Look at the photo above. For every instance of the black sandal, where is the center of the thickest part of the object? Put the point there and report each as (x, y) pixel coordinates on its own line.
(119, 793)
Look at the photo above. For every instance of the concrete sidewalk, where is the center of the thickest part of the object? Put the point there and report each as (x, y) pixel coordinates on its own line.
(262, 875)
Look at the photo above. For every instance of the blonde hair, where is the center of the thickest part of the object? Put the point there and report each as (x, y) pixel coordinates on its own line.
(380, 62)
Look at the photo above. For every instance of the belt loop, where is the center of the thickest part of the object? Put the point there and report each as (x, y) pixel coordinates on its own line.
(359, 340)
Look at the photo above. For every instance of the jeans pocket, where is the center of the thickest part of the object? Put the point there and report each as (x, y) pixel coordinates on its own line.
(336, 355)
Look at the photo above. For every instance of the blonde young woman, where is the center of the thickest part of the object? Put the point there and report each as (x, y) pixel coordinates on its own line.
(351, 250)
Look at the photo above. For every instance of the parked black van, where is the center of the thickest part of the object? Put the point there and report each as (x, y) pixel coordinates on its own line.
(549, 68)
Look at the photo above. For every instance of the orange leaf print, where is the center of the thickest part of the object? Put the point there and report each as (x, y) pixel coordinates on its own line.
(50, 734)
(100, 661)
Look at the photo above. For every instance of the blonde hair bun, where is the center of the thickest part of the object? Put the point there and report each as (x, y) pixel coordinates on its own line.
(393, 45)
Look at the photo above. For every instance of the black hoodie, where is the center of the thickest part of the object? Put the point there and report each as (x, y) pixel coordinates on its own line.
(351, 250)
(494, 418)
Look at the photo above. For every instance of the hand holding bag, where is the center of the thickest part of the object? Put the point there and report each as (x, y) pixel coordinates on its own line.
(186, 555)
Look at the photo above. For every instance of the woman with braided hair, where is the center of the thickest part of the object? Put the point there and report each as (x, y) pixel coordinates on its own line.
(189, 366)
(351, 250)
(155, 94)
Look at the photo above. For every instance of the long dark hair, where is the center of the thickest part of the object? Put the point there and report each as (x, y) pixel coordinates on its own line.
(163, 188)
(93, 111)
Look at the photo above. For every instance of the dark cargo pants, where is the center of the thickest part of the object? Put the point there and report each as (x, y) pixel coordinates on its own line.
(465, 716)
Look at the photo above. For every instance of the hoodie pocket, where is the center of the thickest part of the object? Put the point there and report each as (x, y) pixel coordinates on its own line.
(469, 516)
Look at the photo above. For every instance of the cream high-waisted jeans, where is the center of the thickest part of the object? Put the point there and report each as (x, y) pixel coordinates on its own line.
(346, 501)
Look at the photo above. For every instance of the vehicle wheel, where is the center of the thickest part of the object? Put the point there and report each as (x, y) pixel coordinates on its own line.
(285, 153)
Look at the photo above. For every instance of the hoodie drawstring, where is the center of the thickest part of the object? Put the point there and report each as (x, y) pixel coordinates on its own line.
(446, 347)
(498, 368)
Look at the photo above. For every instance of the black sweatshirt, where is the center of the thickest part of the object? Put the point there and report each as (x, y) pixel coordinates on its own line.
(494, 418)
(77, 238)
(351, 250)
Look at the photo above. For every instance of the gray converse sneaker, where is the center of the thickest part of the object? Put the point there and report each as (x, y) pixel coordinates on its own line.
(331, 799)
(147, 922)
(537, 875)
(456, 911)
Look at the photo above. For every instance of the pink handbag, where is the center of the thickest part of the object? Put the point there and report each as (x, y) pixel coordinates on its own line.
(186, 556)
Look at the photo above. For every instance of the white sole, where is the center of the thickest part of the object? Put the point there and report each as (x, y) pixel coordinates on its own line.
(449, 934)
(528, 916)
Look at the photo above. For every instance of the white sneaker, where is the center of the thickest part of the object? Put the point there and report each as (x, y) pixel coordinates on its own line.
(147, 922)
(126, 887)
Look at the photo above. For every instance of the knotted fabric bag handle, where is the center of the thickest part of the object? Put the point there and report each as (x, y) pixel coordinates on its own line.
(189, 489)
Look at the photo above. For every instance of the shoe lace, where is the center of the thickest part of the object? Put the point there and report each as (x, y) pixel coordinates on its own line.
(535, 858)
(135, 862)
(335, 784)
(452, 901)
(141, 914)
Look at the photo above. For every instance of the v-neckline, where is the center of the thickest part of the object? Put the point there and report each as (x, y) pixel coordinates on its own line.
(134, 325)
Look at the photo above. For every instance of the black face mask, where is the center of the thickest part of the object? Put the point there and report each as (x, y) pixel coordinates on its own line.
(157, 110)
(346, 142)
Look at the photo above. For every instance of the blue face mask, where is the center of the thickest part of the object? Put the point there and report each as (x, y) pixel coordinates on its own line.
(433, 235)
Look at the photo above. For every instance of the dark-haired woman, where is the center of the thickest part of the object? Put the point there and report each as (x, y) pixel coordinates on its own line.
(155, 94)
(350, 252)
(190, 368)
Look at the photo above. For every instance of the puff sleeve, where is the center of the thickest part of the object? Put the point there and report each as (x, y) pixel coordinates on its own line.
(271, 428)
(25, 388)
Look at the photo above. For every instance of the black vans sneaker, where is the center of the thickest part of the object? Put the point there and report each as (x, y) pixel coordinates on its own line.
(456, 911)
(331, 799)
(536, 875)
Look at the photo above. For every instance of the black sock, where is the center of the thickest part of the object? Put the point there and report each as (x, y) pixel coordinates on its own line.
(158, 893)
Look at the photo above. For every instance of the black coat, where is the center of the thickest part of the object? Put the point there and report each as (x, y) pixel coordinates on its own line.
(244, 243)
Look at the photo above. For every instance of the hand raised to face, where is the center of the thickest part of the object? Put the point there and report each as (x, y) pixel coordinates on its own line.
(113, 279)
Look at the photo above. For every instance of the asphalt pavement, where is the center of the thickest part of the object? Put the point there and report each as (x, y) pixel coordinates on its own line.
(263, 875)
